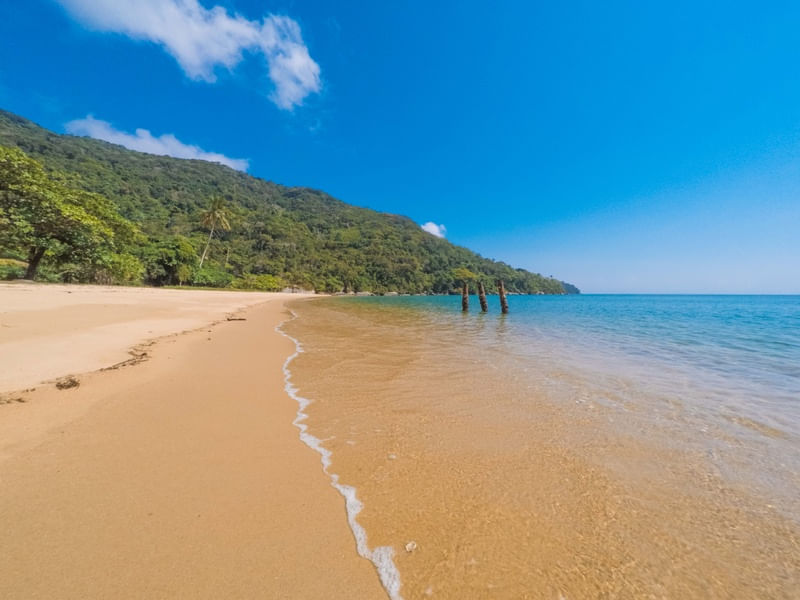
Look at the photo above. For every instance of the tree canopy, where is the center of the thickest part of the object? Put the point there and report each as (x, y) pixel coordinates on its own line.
(276, 235)
(82, 232)
(464, 275)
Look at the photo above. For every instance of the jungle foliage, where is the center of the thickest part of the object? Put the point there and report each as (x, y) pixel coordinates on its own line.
(93, 211)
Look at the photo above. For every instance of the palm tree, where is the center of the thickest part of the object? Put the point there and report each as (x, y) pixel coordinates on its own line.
(215, 216)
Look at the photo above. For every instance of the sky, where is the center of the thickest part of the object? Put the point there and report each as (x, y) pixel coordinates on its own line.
(621, 146)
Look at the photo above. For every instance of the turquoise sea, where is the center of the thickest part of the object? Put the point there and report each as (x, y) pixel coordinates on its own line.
(648, 443)
(736, 352)
(726, 367)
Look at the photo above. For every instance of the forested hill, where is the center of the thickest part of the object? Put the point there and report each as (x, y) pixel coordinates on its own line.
(277, 235)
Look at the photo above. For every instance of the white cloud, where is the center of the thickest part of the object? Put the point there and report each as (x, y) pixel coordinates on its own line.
(144, 141)
(202, 39)
(434, 229)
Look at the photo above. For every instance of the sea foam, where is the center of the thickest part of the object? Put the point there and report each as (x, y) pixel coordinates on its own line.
(381, 556)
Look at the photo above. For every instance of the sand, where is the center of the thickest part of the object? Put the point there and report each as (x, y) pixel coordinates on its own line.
(47, 331)
(180, 476)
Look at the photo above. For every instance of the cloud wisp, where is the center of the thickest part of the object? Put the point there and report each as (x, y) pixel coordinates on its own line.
(144, 141)
(203, 39)
(434, 229)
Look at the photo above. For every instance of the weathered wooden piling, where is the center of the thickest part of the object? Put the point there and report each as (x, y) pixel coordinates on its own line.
(465, 297)
(503, 302)
(482, 297)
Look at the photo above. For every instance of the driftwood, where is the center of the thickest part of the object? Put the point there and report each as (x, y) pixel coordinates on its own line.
(503, 302)
(465, 297)
(482, 297)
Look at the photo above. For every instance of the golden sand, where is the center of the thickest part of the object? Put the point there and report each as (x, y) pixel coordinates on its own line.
(179, 477)
(49, 330)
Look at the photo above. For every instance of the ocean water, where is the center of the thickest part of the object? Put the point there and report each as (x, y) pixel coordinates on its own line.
(579, 447)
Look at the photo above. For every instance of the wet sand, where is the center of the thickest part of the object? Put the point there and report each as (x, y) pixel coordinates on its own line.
(177, 477)
(490, 482)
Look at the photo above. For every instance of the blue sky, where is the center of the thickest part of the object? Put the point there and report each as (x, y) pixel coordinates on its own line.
(622, 146)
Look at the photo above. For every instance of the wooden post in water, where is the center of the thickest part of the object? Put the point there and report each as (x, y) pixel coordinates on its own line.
(503, 302)
(482, 297)
(465, 297)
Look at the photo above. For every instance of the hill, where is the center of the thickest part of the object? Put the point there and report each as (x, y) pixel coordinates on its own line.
(278, 235)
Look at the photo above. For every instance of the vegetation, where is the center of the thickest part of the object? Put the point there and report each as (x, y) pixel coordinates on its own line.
(82, 233)
(79, 209)
(216, 215)
(464, 275)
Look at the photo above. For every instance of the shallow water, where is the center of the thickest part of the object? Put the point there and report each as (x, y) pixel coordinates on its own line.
(580, 447)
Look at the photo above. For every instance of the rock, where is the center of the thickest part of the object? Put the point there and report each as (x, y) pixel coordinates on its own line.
(411, 546)
(67, 382)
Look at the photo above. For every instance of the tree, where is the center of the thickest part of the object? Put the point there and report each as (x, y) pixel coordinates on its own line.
(216, 215)
(464, 275)
(169, 261)
(38, 214)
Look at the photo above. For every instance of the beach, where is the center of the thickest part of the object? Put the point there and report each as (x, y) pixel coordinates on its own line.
(273, 446)
(174, 473)
(353, 300)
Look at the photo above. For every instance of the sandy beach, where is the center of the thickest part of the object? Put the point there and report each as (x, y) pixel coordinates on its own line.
(177, 476)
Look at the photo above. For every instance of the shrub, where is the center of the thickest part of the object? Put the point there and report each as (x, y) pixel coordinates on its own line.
(212, 276)
(11, 269)
(265, 283)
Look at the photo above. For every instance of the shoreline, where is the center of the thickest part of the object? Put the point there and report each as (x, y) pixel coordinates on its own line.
(510, 475)
(382, 557)
(180, 476)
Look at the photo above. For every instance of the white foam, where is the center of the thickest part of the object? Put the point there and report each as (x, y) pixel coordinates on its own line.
(382, 556)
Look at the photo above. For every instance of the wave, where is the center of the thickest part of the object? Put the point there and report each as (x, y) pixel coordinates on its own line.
(381, 556)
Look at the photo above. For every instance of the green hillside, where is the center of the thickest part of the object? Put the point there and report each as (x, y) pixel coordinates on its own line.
(278, 235)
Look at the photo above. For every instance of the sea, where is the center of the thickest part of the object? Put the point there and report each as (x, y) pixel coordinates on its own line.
(583, 446)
